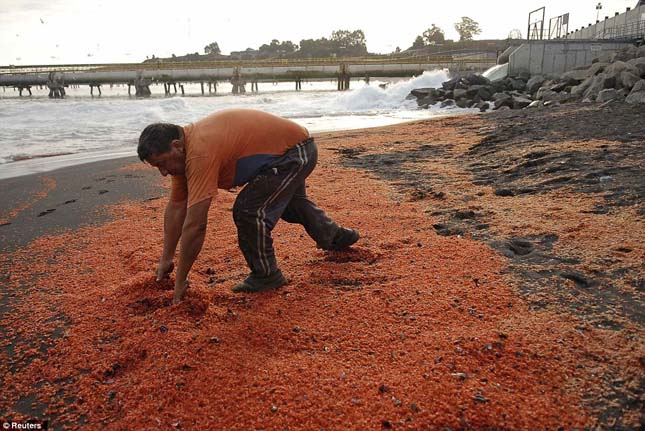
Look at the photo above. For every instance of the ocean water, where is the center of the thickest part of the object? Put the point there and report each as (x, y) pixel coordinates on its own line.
(40, 134)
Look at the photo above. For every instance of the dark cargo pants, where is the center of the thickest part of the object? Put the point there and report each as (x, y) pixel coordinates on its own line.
(278, 191)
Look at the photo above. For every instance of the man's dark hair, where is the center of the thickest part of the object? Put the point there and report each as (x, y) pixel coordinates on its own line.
(156, 139)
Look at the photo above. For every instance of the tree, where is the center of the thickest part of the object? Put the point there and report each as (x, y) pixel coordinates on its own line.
(433, 36)
(212, 48)
(418, 43)
(349, 43)
(467, 28)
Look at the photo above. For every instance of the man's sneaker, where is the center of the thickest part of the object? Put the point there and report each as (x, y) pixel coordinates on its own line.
(255, 284)
(343, 239)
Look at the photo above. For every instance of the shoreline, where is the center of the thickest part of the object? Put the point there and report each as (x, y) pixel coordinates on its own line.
(44, 164)
(497, 284)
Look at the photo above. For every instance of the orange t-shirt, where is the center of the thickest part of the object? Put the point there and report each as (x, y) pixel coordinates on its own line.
(228, 148)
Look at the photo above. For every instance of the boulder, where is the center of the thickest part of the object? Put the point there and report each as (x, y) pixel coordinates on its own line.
(459, 93)
(518, 84)
(546, 94)
(638, 63)
(427, 101)
(636, 98)
(626, 53)
(597, 85)
(639, 86)
(574, 76)
(483, 106)
(616, 68)
(641, 51)
(502, 99)
(534, 84)
(519, 102)
(464, 103)
(579, 90)
(450, 84)
(595, 69)
(628, 80)
(447, 103)
(421, 93)
(609, 81)
(609, 94)
(473, 79)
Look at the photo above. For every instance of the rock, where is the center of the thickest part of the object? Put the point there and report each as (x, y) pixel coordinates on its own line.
(641, 52)
(616, 68)
(422, 93)
(638, 63)
(597, 85)
(609, 81)
(520, 102)
(473, 79)
(502, 99)
(450, 84)
(627, 53)
(504, 108)
(639, 86)
(579, 90)
(636, 98)
(274, 409)
(628, 80)
(535, 104)
(518, 84)
(595, 69)
(609, 94)
(534, 84)
(464, 103)
(459, 93)
(576, 76)
(546, 95)
(551, 103)
(447, 103)
(483, 106)
(163, 328)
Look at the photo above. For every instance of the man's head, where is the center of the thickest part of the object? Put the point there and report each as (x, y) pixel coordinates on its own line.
(162, 145)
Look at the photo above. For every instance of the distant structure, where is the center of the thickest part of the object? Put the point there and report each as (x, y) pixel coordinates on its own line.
(628, 26)
(515, 34)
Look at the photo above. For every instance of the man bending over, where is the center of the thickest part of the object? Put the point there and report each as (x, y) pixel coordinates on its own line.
(271, 155)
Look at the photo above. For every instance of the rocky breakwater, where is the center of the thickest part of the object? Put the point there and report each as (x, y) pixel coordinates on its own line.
(618, 76)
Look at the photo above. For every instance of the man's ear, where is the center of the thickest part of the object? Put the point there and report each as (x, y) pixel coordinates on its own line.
(178, 144)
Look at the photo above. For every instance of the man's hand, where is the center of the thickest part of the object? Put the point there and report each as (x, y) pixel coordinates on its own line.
(164, 268)
(180, 290)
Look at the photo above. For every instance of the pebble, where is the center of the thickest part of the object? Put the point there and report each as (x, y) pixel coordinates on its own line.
(111, 394)
(274, 409)
(383, 389)
(163, 328)
(214, 340)
(480, 398)
(415, 408)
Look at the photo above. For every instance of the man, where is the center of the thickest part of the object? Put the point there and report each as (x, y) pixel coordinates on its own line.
(271, 155)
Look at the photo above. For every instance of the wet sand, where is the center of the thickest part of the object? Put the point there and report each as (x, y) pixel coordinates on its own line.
(498, 285)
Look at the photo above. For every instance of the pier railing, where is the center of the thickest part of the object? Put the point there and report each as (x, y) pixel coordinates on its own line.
(183, 65)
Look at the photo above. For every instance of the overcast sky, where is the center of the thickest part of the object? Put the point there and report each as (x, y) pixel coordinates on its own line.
(97, 31)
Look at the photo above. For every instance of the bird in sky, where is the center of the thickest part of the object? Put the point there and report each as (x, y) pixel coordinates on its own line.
(41, 21)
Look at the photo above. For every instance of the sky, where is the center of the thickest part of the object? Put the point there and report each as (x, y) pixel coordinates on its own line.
(111, 31)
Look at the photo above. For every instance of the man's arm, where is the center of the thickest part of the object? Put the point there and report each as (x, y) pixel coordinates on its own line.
(174, 217)
(192, 238)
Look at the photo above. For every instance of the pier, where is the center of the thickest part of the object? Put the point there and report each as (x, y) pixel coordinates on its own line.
(239, 73)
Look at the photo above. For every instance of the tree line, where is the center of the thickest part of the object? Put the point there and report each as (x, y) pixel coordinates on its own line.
(341, 43)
